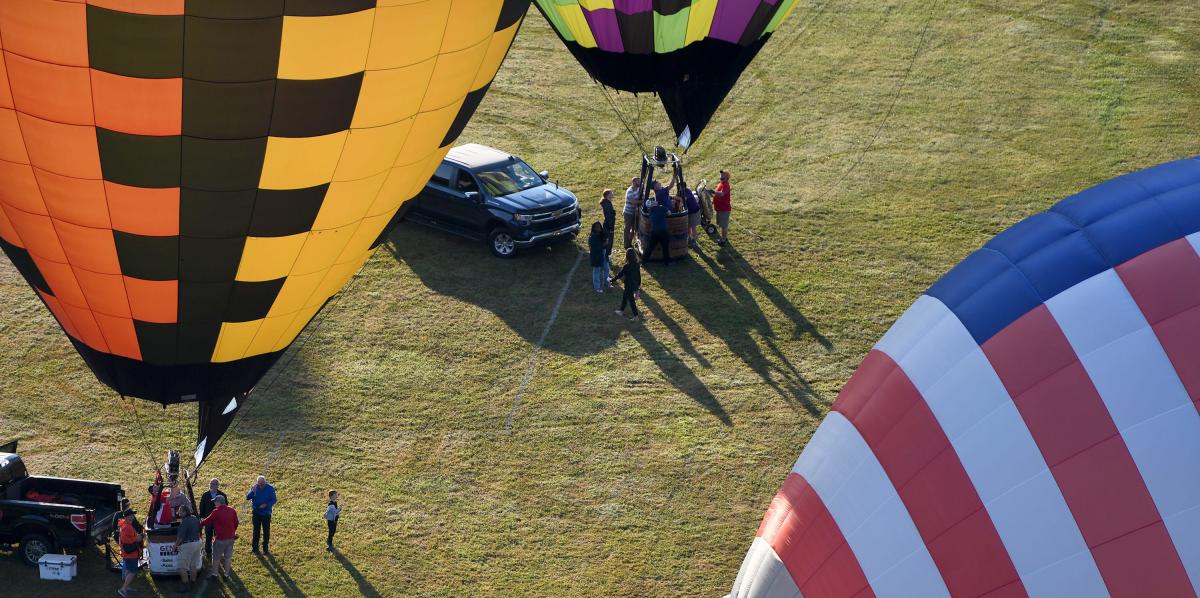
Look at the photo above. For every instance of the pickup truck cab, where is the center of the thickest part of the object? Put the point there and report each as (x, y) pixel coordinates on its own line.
(483, 193)
(43, 514)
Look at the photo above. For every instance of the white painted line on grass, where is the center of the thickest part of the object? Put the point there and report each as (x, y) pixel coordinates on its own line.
(531, 367)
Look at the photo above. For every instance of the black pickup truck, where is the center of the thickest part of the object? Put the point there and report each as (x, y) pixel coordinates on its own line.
(43, 515)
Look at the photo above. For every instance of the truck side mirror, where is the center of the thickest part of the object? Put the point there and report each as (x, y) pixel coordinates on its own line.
(545, 174)
(472, 196)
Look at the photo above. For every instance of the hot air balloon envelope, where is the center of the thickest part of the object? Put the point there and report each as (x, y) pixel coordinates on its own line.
(1029, 426)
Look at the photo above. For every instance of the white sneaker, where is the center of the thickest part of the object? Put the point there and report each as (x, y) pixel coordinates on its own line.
(618, 312)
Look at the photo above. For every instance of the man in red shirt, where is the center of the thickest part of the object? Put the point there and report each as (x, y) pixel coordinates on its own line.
(131, 550)
(224, 521)
(721, 206)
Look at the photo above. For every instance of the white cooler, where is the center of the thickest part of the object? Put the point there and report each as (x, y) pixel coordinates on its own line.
(58, 566)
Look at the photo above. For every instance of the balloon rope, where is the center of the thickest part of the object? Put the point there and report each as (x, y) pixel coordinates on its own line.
(141, 433)
(891, 109)
(612, 104)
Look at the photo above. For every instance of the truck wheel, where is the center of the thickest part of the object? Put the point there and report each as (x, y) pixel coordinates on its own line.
(33, 546)
(502, 243)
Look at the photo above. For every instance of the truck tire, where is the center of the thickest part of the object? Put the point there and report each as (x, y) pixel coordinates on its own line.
(33, 546)
(501, 242)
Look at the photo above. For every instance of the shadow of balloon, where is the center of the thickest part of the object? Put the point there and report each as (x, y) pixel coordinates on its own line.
(520, 291)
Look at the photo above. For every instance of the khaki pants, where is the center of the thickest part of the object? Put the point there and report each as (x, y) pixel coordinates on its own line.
(191, 557)
(222, 551)
(630, 228)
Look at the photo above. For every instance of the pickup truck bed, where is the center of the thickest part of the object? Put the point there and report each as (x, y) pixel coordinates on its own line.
(46, 514)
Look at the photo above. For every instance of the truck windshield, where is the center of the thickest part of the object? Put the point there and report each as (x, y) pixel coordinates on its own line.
(509, 178)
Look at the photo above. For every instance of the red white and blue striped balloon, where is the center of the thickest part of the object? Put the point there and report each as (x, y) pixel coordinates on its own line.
(1030, 426)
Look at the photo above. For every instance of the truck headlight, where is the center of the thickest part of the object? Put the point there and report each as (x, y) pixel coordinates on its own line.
(522, 219)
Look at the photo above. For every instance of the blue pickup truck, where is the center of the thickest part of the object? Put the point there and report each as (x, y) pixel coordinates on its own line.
(485, 194)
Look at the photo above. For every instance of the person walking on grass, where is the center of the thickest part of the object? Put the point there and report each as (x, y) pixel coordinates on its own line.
(191, 550)
(332, 513)
(632, 273)
(633, 195)
(224, 521)
(131, 551)
(262, 498)
(721, 205)
(610, 223)
(596, 256)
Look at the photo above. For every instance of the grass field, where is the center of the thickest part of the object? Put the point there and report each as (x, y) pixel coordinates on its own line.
(874, 144)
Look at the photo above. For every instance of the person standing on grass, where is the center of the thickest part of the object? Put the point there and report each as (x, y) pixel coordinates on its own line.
(131, 551)
(693, 210)
(596, 256)
(721, 206)
(187, 540)
(632, 195)
(610, 223)
(206, 507)
(332, 513)
(658, 232)
(262, 499)
(632, 273)
(225, 523)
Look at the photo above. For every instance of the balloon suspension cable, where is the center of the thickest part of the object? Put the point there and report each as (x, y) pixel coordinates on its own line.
(624, 121)
(142, 433)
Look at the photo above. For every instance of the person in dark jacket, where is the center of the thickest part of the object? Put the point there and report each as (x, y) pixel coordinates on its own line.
(610, 224)
(693, 209)
(596, 251)
(333, 512)
(206, 508)
(632, 273)
(658, 233)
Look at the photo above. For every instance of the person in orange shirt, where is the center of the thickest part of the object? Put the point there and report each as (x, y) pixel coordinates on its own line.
(131, 551)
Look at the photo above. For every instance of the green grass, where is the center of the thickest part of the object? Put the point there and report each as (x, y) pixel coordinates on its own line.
(642, 457)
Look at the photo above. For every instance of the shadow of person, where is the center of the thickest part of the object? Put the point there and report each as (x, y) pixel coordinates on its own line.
(281, 577)
(717, 298)
(364, 587)
(521, 292)
(673, 368)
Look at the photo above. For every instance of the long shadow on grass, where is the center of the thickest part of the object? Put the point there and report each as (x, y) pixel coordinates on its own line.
(726, 307)
(519, 291)
(281, 577)
(674, 368)
(364, 587)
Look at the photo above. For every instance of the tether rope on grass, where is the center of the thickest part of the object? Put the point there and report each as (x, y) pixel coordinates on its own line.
(862, 154)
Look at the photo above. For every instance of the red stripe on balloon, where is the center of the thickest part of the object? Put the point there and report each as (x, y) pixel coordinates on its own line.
(1087, 457)
(804, 535)
(1165, 283)
(893, 418)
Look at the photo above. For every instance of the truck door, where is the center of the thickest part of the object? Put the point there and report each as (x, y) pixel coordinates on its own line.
(469, 213)
(436, 199)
